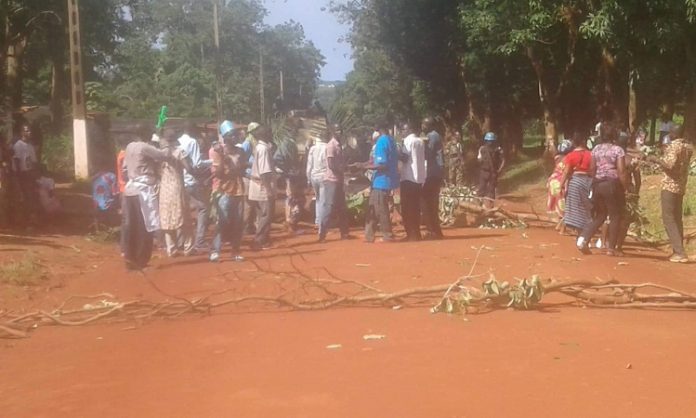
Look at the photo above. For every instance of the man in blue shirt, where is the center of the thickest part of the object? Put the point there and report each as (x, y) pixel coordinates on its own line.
(386, 165)
(433, 182)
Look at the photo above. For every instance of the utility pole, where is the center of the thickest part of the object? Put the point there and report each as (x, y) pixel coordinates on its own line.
(263, 96)
(80, 143)
(282, 87)
(9, 118)
(218, 67)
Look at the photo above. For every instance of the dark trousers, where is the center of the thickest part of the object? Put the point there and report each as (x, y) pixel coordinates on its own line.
(30, 194)
(608, 200)
(264, 210)
(124, 233)
(488, 182)
(332, 196)
(431, 205)
(672, 213)
(411, 208)
(136, 241)
(251, 218)
(378, 213)
(199, 200)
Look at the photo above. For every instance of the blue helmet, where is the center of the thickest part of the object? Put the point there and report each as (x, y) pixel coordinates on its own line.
(490, 137)
(226, 128)
(565, 147)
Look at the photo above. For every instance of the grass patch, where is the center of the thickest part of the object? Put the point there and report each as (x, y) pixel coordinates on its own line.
(650, 204)
(523, 171)
(105, 235)
(25, 272)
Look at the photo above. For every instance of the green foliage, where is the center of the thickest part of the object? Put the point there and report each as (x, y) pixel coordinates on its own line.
(525, 294)
(142, 54)
(497, 64)
(58, 156)
(357, 208)
(450, 199)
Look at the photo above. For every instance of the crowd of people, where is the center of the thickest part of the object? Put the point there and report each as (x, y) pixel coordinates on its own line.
(171, 190)
(596, 183)
(173, 186)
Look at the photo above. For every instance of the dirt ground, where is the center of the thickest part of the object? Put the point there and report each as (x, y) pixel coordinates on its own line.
(258, 361)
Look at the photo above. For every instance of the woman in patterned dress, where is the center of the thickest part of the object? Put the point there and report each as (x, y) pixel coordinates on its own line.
(172, 200)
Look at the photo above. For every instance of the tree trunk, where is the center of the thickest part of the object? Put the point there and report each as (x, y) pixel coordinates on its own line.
(690, 120)
(606, 110)
(633, 119)
(15, 57)
(690, 114)
(653, 129)
(57, 47)
(514, 133)
(550, 127)
(548, 102)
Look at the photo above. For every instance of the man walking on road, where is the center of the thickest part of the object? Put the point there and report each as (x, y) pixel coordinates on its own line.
(385, 164)
(26, 167)
(433, 182)
(316, 171)
(412, 179)
(332, 193)
(141, 202)
(198, 195)
(262, 187)
(675, 164)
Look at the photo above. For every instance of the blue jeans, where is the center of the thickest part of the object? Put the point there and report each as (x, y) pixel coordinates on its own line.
(230, 224)
(316, 186)
(198, 200)
(333, 200)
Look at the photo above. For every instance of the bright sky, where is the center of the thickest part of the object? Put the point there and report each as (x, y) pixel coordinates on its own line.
(321, 27)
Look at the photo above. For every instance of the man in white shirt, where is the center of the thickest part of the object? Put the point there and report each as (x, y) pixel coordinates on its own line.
(316, 170)
(197, 192)
(412, 179)
(26, 168)
(262, 187)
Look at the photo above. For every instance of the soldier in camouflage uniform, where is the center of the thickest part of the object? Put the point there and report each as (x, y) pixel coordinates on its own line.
(455, 160)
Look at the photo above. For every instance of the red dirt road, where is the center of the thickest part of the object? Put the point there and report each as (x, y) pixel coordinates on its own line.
(559, 361)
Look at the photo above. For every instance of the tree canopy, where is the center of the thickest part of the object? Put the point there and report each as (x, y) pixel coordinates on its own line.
(497, 64)
(143, 54)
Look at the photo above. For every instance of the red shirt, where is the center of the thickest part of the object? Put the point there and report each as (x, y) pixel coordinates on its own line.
(579, 160)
